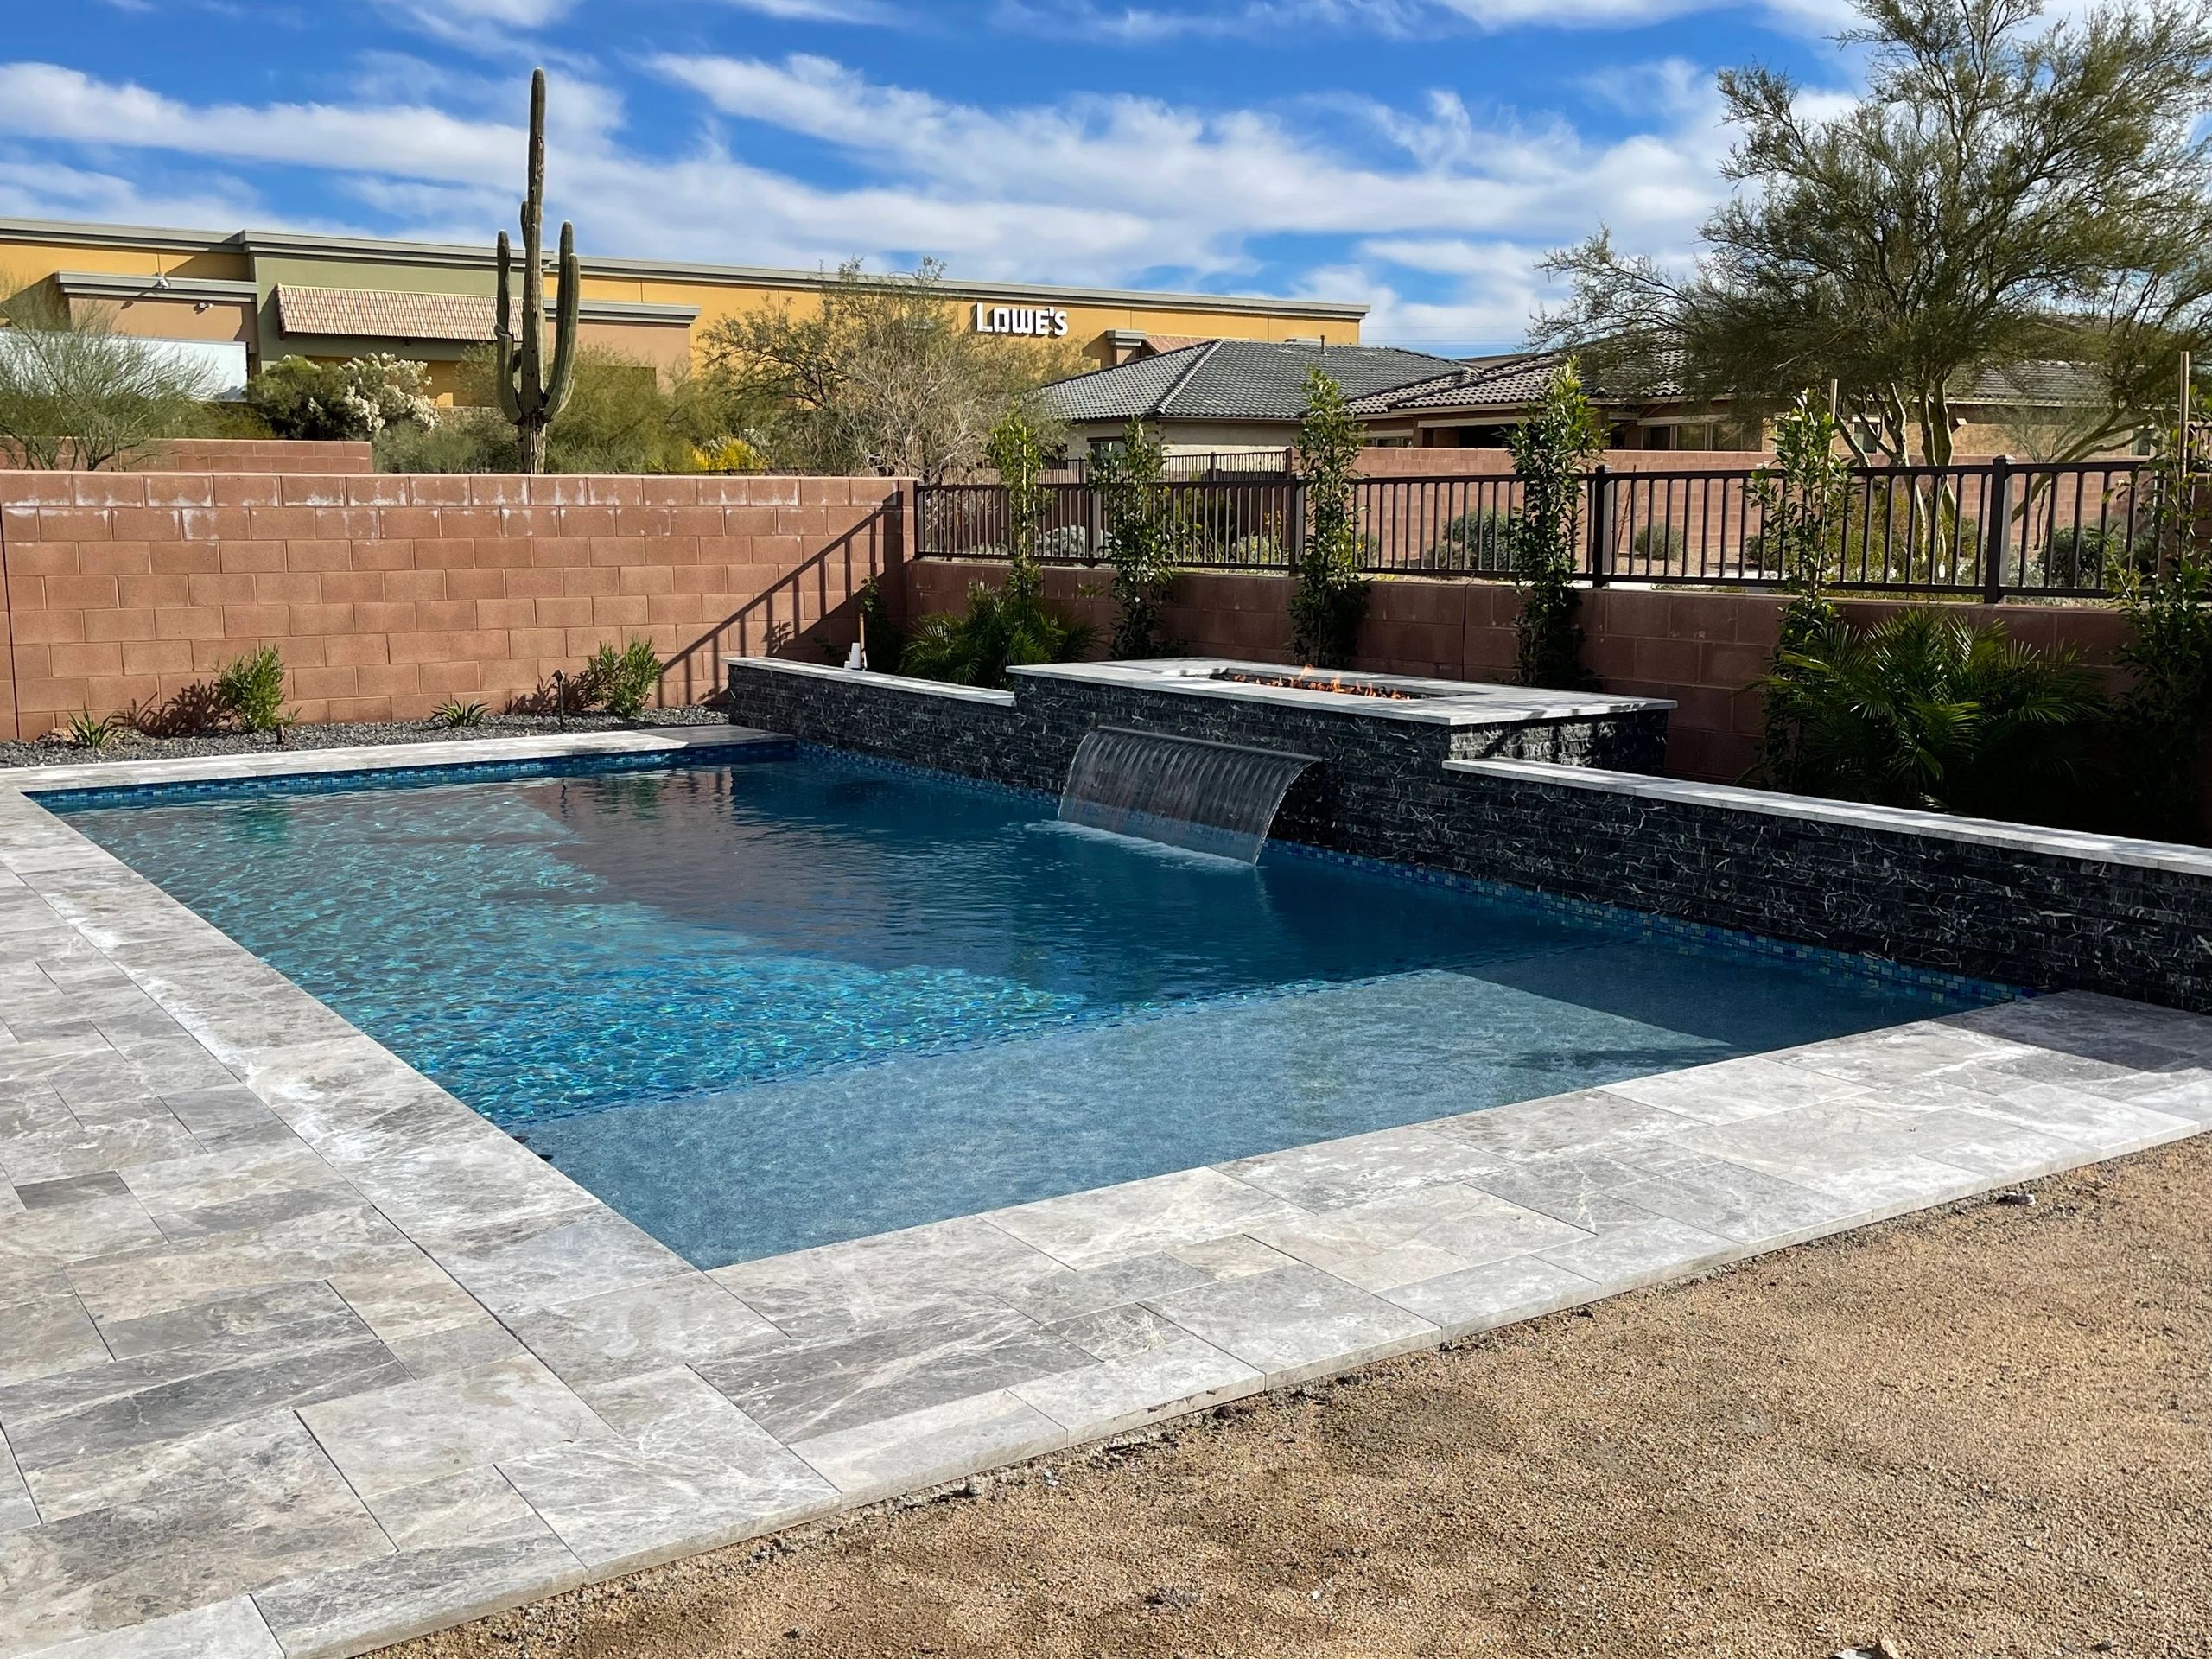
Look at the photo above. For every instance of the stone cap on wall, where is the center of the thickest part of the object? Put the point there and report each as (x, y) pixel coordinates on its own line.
(2078, 844)
(877, 679)
(1428, 702)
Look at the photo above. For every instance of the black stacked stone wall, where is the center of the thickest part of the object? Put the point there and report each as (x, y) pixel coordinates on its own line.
(1997, 913)
(2021, 918)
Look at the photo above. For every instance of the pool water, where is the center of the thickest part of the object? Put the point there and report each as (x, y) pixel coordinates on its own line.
(762, 1006)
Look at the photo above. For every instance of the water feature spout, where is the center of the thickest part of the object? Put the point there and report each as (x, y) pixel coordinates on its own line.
(1187, 791)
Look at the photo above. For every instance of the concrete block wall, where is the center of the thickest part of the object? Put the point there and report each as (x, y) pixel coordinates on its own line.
(318, 457)
(335, 457)
(390, 594)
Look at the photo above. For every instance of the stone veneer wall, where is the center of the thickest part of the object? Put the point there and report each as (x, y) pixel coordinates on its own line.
(2049, 910)
(1028, 737)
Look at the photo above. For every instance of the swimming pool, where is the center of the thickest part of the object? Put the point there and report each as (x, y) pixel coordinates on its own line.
(764, 1005)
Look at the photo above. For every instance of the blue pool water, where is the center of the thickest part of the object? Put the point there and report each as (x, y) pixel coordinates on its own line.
(762, 1006)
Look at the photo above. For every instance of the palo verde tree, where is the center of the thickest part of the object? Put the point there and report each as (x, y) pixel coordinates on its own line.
(2005, 193)
(1551, 451)
(531, 395)
(1129, 477)
(77, 391)
(1328, 598)
(878, 376)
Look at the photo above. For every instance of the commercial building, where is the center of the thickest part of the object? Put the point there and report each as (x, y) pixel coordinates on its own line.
(280, 294)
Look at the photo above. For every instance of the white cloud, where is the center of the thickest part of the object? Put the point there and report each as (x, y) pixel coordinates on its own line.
(40, 188)
(872, 12)
(1138, 25)
(1204, 182)
(1444, 208)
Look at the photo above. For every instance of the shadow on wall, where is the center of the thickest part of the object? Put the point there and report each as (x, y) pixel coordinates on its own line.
(810, 614)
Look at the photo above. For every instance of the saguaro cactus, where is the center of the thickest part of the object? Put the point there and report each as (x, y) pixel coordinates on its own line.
(531, 398)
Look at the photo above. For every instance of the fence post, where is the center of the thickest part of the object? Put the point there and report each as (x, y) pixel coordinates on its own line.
(1997, 505)
(1601, 530)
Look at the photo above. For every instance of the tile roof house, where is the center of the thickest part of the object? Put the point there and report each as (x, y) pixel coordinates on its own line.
(1475, 403)
(1226, 395)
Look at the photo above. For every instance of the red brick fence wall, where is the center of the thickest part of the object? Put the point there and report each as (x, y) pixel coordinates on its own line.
(388, 593)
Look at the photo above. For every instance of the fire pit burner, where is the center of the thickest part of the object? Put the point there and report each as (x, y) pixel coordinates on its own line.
(1309, 679)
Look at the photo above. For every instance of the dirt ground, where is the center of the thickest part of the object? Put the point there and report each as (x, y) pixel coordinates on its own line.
(1985, 1431)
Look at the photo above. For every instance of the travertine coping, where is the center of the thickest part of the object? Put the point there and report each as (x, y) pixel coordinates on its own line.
(1938, 826)
(870, 676)
(1433, 703)
(299, 1354)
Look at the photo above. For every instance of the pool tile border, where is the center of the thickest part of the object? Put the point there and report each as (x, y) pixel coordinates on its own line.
(361, 1366)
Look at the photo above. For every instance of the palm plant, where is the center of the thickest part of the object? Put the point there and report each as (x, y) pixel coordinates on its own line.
(1925, 710)
(1003, 628)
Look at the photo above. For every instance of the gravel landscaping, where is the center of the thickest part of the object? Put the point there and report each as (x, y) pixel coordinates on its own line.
(57, 751)
(1841, 1445)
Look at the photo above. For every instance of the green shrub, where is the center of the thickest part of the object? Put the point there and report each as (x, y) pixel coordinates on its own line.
(356, 399)
(1482, 540)
(1064, 544)
(1328, 595)
(1259, 550)
(249, 691)
(456, 440)
(1552, 450)
(1660, 541)
(453, 713)
(100, 734)
(1002, 629)
(621, 681)
(1129, 479)
(1926, 710)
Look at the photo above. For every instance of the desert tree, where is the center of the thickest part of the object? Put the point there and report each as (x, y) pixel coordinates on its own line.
(77, 391)
(2005, 193)
(878, 375)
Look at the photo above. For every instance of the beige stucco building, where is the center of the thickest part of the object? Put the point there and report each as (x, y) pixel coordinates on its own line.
(281, 293)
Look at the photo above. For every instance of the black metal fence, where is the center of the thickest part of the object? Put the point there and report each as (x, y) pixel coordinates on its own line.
(1989, 529)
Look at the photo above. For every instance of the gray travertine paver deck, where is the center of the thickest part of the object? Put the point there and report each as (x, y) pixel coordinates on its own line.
(298, 1355)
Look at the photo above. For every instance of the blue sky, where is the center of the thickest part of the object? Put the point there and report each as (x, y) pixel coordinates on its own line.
(1420, 154)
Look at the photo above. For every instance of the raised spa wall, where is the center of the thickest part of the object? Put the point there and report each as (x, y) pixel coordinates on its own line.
(1570, 805)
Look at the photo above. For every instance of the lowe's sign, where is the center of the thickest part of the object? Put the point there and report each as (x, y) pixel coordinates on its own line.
(1037, 321)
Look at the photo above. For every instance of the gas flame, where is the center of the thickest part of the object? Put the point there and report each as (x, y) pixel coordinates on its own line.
(1309, 679)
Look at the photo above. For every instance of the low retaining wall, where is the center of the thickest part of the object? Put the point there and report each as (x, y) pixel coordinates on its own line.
(2048, 909)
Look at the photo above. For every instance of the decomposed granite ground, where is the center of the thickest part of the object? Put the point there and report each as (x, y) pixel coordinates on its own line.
(299, 1356)
(1985, 1430)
